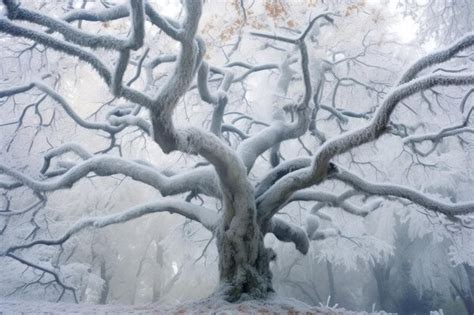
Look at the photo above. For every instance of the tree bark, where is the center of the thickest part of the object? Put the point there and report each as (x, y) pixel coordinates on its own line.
(244, 262)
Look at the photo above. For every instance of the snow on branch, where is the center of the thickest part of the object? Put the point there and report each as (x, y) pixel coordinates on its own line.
(279, 171)
(120, 68)
(170, 27)
(115, 123)
(139, 65)
(326, 16)
(279, 130)
(13, 29)
(436, 137)
(437, 57)
(74, 35)
(219, 99)
(462, 105)
(16, 90)
(10, 28)
(335, 201)
(287, 232)
(179, 81)
(275, 37)
(202, 84)
(137, 34)
(227, 164)
(207, 217)
(198, 180)
(63, 149)
(449, 209)
(103, 15)
(250, 149)
(81, 122)
(321, 168)
(53, 273)
(33, 207)
(250, 69)
(303, 34)
(380, 121)
(9, 184)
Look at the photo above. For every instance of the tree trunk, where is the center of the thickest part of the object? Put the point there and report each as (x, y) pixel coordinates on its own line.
(105, 290)
(332, 285)
(244, 262)
(382, 277)
(468, 296)
(468, 301)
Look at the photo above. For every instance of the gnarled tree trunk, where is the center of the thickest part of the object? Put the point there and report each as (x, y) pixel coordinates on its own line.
(244, 262)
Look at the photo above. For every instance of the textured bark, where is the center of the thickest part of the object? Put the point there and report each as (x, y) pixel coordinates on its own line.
(244, 262)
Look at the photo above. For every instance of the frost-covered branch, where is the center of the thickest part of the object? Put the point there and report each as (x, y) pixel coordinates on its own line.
(219, 99)
(16, 90)
(279, 171)
(437, 58)
(436, 137)
(63, 149)
(200, 180)
(131, 120)
(287, 232)
(35, 206)
(102, 15)
(231, 128)
(279, 130)
(10, 28)
(227, 164)
(202, 84)
(378, 124)
(275, 37)
(462, 105)
(120, 68)
(335, 201)
(139, 67)
(320, 167)
(137, 34)
(69, 110)
(77, 36)
(53, 273)
(115, 123)
(303, 34)
(206, 217)
(170, 27)
(449, 209)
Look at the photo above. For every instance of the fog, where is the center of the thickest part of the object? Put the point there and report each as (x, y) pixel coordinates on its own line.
(315, 150)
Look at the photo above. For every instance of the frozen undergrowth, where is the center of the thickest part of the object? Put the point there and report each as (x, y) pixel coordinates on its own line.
(275, 305)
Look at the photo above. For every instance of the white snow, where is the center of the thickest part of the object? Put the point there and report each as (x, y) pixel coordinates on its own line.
(274, 305)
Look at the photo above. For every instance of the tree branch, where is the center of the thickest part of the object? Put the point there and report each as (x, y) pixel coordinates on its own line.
(404, 192)
(199, 214)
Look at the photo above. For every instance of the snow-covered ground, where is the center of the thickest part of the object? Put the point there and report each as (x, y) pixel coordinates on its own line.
(205, 306)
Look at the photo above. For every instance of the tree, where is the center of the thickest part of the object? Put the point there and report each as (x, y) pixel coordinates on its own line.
(444, 21)
(248, 206)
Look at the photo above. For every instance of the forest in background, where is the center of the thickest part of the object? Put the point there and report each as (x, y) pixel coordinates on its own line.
(363, 248)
